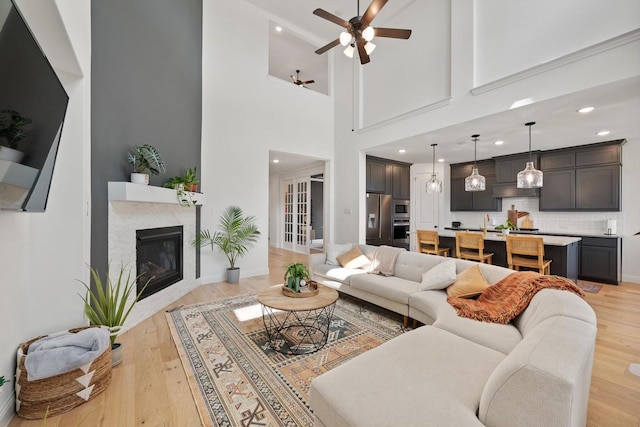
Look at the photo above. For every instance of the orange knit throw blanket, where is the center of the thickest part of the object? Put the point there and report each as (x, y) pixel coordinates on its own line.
(502, 302)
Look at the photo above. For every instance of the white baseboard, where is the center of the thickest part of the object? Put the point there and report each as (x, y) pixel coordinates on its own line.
(8, 408)
(630, 278)
(244, 273)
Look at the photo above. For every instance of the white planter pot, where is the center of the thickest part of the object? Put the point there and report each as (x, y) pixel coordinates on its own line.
(140, 178)
(10, 154)
(505, 231)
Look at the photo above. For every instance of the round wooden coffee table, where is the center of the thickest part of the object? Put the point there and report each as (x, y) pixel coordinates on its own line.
(297, 325)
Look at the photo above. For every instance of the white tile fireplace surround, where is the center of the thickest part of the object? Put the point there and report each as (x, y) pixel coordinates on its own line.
(135, 207)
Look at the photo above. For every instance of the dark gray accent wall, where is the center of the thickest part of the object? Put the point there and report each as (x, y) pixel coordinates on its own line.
(146, 88)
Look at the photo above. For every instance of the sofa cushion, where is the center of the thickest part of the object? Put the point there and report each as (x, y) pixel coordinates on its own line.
(337, 273)
(389, 287)
(468, 284)
(422, 377)
(439, 277)
(334, 250)
(502, 338)
(353, 258)
(411, 265)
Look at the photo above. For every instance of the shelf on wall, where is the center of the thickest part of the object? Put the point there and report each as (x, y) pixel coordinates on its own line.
(129, 192)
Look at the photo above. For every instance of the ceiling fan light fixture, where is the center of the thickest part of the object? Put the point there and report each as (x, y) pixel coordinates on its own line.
(530, 177)
(369, 47)
(475, 181)
(349, 51)
(345, 38)
(368, 34)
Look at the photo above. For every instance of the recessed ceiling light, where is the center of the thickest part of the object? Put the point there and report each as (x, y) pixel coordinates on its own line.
(440, 160)
(499, 142)
(278, 28)
(402, 150)
(603, 133)
(276, 161)
(585, 110)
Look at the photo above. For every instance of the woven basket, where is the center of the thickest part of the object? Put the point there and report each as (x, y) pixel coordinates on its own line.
(61, 393)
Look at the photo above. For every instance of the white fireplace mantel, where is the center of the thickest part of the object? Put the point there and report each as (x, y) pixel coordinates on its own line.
(129, 192)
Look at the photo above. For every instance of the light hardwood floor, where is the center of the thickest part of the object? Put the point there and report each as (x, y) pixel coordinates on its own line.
(150, 388)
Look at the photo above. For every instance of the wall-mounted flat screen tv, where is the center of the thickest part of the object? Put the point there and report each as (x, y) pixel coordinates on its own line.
(33, 104)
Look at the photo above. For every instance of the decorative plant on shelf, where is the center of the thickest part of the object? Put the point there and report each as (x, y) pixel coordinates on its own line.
(13, 127)
(235, 235)
(145, 158)
(185, 186)
(190, 180)
(109, 303)
(295, 276)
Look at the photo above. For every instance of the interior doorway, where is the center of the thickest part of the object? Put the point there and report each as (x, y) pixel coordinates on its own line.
(316, 236)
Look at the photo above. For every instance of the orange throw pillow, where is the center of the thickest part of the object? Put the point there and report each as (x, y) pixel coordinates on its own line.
(354, 258)
(470, 283)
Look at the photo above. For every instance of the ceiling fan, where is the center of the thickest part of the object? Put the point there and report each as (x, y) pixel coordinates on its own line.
(359, 31)
(296, 80)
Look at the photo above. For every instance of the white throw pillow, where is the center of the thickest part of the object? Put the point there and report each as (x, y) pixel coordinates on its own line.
(439, 277)
(334, 251)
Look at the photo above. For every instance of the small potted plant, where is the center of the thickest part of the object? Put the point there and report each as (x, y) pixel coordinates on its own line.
(145, 158)
(13, 128)
(190, 180)
(108, 304)
(507, 227)
(235, 235)
(296, 276)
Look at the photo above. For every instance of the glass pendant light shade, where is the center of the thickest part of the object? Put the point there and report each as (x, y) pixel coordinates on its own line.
(475, 181)
(433, 185)
(530, 177)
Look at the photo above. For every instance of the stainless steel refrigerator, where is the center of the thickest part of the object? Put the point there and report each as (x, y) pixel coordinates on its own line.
(379, 227)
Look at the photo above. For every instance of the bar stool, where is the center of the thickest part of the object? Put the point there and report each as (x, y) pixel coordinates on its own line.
(471, 246)
(429, 243)
(527, 251)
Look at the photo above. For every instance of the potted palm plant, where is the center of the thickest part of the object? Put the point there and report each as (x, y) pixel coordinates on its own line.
(235, 235)
(109, 304)
(13, 127)
(145, 158)
(295, 276)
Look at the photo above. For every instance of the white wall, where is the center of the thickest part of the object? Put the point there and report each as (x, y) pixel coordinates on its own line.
(245, 115)
(579, 74)
(44, 253)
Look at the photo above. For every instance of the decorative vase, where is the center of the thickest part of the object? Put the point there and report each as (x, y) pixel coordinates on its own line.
(505, 231)
(11, 154)
(233, 275)
(140, 178)
(116, 354)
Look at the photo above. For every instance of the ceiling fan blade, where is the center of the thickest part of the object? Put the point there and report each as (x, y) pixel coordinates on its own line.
(364, 56)
(394, 33)
(372, 11)
(328, 46)
(331, 17)
(308, 82)
(293, 79)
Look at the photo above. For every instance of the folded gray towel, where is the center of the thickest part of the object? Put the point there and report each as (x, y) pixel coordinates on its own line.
(65, 351)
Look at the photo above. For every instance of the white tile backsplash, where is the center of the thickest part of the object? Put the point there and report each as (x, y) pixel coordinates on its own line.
(565, 222)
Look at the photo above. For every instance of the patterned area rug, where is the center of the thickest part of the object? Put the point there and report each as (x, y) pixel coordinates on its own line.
(592, 288)
(238, 380)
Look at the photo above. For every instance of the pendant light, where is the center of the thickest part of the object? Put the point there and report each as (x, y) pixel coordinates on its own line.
(475, 181)
(530, 177)
(433, 185)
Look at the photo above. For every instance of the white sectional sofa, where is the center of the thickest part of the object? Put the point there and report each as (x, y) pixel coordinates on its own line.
(455, 371)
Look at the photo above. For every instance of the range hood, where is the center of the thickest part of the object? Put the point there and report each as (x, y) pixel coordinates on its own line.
(510, 189)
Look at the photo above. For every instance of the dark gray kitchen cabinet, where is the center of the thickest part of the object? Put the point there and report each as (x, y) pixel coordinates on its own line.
(507, 167)
(600, 259)
(559, 190)
(599, 188)
(376, 177)
(483, 201)
(401, 180)
(388, 177)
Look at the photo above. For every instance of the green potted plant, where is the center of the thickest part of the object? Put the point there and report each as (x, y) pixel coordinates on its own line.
(235, 235)
(13, 128)
(145, 158)
(109, 304)
(295, 276)
(507, 227)
(190, 180)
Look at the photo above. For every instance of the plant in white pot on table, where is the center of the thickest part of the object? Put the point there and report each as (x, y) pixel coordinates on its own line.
(13, 128)
(235, 235)
(145, 158)
(109, 303)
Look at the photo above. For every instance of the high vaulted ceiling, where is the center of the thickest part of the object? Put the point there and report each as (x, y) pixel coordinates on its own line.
(558, 124)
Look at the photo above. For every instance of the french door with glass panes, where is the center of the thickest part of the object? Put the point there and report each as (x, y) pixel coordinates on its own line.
(296, 215)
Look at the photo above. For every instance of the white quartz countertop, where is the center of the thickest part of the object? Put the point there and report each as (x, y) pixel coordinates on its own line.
(499, 237)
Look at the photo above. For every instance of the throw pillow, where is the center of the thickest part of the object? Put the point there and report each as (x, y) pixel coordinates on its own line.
(439, 277)
(353, 258)
(334, 251)
(469, 283)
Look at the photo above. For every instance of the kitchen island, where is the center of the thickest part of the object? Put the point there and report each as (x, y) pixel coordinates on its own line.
(562, 250)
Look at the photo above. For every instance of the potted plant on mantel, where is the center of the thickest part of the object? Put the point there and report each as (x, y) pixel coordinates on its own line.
(185, 186)
(13, 129)
(236, 234)
(145, 158)
(108, 304)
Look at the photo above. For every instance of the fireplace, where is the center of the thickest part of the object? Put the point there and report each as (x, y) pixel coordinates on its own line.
(159, 255)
